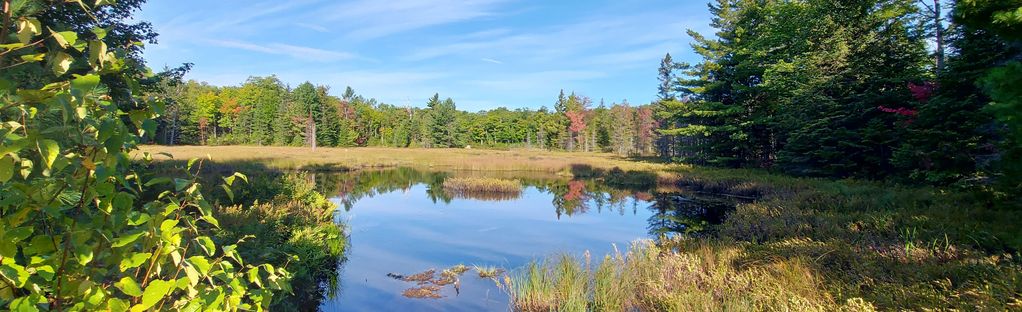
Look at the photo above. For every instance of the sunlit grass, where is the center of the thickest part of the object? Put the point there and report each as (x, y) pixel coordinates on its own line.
(481, 185)
(377, 157)
(649, 278)
(490, 272)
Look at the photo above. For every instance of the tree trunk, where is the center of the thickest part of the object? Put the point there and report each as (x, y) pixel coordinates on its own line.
(938, 21)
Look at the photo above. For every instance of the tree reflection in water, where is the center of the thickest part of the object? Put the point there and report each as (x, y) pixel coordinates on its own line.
(676, 212)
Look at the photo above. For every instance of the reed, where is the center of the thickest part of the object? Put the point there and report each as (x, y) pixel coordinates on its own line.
(649, 278)
(479, 187)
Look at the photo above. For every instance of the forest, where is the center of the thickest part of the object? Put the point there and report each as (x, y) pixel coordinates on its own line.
(265, 111)
(867, 89)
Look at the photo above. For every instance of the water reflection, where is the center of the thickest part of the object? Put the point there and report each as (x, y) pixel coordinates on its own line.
(402, 221)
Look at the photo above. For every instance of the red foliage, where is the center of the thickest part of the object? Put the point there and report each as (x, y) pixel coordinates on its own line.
(922, 92)
(575, 190)
(578, 121)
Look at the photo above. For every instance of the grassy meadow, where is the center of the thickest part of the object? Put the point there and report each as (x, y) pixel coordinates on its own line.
(798, 244)
(377, 157)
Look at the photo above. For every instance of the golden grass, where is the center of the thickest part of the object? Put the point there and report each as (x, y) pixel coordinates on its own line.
(458, 186)
(700, 277)
(375, 157)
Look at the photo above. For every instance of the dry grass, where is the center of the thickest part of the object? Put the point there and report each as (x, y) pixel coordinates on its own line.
(701, 277)
(376, 157)
(457, 186)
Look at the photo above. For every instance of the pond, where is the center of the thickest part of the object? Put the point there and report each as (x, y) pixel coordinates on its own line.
(401, 222)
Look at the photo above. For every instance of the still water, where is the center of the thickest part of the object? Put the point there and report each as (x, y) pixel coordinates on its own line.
(401, 222)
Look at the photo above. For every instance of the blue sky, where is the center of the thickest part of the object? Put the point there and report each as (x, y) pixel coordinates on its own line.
(482, 53)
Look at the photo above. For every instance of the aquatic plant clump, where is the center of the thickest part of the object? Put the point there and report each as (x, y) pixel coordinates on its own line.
(429, 284)
(483, 188)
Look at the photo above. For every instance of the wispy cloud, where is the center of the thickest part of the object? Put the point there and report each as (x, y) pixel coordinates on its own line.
(371, 19)
(313, 27)
(489, 60)
(298, 52)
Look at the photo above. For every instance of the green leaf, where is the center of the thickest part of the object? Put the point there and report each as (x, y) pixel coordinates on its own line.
(200, 263)
(155, 292)
(117, 305)
(126, 239)
(128, 286)
(24, 304)
(100, 33)
(97, 53)
(136, 259)
(207, 245)
(181, 184)
(84, 255)
(13, 273)
(253, 277)
(28, 28)
(168, 225)
(61, 62)
(17, 234)
(230, 194)
(49, 150)
(6, 168)
(160, 180)
(32, 58)
(11, 46)
(26, 168)
(136, 218)
(85, 84)
(65, 38)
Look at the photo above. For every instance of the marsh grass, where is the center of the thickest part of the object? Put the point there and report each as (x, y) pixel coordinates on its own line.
(483, 188)
(796, 244)
(649, 278)
(488, 272)
(378, 157)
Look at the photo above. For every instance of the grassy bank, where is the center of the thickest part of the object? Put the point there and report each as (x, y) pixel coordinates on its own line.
(804, 244)
(373, 157)
(279, 219)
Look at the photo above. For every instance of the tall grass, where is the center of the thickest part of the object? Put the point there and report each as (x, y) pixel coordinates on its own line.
(483, 188)
(650, 278)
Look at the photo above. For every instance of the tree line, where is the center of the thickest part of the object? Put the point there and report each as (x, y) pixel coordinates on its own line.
(924, 91)
(266, 111)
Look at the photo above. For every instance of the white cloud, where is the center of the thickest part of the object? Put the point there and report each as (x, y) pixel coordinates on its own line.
(489, 60)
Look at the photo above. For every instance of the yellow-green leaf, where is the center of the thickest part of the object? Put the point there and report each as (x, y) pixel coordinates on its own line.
(97, 53)
(49, 150)
(31, 58)
(28, 28)
(129, 287)
(6, 168)
(155, 292)
(127, 239)
(133, 261)
(61, 63)
(65, 38)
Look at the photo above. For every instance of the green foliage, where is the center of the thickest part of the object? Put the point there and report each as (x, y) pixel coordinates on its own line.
(844, 89)
(75, 218)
